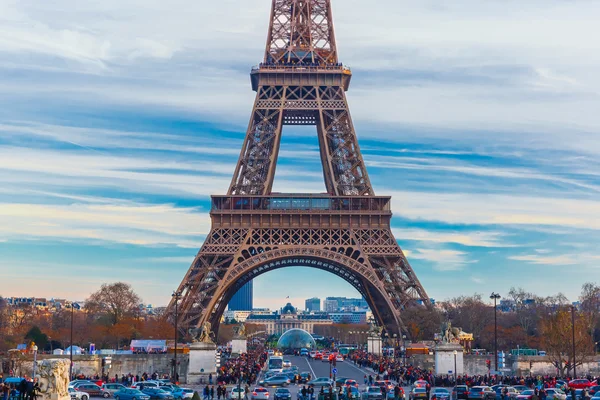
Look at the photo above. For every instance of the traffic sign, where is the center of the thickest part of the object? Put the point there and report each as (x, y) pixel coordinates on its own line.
(334, 371)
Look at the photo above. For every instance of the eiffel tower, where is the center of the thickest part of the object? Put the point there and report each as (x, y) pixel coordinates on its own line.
(254, 231)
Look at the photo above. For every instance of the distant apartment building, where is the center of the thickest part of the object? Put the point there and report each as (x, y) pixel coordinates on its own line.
(311, 305)
(348, 304)
(330, 305)
(242, 300)
(348, 317)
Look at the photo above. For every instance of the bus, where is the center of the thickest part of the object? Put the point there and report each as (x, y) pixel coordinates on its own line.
(276, 363)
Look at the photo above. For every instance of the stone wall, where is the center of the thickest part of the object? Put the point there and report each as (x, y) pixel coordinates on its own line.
(473, 365)
(542, 366)
(121, 364)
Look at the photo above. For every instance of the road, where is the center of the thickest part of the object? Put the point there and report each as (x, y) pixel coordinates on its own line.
(318, 368)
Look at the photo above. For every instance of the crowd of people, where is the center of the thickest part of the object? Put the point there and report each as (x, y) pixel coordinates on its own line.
(395, 370)
(26, 389)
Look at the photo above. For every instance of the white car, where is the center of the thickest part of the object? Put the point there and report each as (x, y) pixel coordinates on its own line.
(236, 393)
(339, 358)
(286, 363)
(75, 395)
(141, 385)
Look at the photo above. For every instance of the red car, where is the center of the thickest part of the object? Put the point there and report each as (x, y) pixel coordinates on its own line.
(318, 356)
(580, 384)
(351, 382)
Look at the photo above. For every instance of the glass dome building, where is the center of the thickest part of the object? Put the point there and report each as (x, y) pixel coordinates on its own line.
(296, 339)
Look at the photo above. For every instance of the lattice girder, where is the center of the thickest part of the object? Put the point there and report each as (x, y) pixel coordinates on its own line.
(345, 231)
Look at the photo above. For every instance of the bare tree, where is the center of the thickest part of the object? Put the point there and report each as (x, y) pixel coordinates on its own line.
(590, 307)
(114, 302)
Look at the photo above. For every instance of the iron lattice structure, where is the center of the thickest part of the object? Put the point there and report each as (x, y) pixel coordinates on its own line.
(346, 231)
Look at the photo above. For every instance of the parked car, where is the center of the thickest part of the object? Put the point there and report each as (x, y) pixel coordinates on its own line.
(183, 393)
(580, 383)
(157, 394)
(75, 395)
(352, 393)
(525, 395)
(236, 393)
(555, 394)
(145, 384)
(93, 390)
(75, 382)
(520, 388)
(511, 392)
(282, 394)
(439, 393)
(112, 387)
(418, 393)
(482, 392)
(131, 394)
(460, 392)
(372, 393)
(320, 382)
(260, 393)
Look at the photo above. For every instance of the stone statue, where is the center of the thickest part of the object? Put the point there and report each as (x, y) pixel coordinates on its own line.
(53, 378)
(447, 335)
(239, 331)
(202, 334)
(374, 330)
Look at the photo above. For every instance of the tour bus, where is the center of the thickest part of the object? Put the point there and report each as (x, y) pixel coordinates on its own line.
(276, 363)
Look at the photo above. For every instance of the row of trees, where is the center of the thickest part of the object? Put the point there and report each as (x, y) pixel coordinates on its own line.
(110, 319)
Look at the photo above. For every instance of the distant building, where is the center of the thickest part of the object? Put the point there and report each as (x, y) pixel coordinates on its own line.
(242, 300)
(288, 318)
(239, 316)
(330, 305)
(348, 317)
(346, 303)
(313, 304)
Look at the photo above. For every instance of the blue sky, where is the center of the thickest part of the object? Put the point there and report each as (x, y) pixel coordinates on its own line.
(119, 118)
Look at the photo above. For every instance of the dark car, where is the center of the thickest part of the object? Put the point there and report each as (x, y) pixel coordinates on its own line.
(305, 377)
(157, 394)
(594, 390)
(339, 382)
(418, 393)
(282, 394)
(440, 394)
(511, 392)
(460, 392)
(372, 393)
(351, 393)
(93, 390)
(131, 394)
(525, 395)
(481, 393)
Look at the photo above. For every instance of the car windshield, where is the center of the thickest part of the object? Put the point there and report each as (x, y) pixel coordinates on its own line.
(374, 390)
(477, 389)
(527, 392)
(280, 390)
(440, 390)
(420, 390)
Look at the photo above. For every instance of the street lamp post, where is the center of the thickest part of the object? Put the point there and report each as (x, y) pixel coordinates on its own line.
(404, 346)
(573, 342)
(395, 345)
(35, 350)
(176, 295)
(455, 372)
(71, 350)
(495, 296)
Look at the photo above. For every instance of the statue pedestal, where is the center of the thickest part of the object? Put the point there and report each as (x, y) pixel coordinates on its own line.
(53, 377)
(239, 346)
(374, 345)
(448, 363)
(202, 362)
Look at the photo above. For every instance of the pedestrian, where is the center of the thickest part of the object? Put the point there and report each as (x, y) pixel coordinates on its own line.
(366, 380)
(210, 379)
(206, 392)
